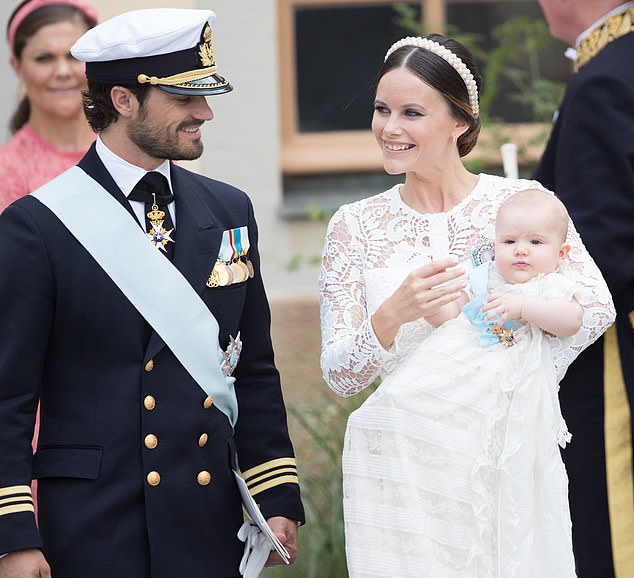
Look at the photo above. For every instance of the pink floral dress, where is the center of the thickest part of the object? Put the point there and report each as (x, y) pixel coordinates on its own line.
(27, 161)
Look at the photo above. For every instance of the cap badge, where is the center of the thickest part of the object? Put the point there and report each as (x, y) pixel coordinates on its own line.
(206, 51)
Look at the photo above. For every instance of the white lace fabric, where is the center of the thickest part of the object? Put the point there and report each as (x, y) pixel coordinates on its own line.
(451, 467)
(373, 244)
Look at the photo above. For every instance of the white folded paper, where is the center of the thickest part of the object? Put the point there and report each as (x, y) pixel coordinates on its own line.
(253, 512)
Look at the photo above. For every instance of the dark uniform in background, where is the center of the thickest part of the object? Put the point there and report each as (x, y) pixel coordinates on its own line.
(589, 164)
(134, 459)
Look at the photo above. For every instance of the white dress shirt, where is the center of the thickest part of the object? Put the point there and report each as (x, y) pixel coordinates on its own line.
(127, 175)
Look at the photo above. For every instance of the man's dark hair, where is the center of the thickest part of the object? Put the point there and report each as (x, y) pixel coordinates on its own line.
(98, 106)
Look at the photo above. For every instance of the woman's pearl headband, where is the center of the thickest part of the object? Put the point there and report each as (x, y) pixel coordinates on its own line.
(448, 56)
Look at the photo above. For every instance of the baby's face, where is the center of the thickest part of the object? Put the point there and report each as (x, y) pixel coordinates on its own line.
(526, 244)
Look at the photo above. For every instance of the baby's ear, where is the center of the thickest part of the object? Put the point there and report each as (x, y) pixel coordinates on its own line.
(564, 250)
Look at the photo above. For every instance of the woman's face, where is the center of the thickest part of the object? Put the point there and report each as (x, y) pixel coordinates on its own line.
(413, 125)
(52, 78)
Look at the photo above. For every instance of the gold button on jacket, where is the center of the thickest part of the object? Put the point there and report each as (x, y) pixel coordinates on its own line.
(202, 440)
(149, 366)
(149, 403)
(154, 478)
(209, 400)
(151, 441)
(203, 478)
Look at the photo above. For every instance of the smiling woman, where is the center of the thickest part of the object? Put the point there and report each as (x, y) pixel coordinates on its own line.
(50, 132)
(444, 474)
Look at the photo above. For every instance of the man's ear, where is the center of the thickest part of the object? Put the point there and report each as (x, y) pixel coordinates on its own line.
(124, 101)
(564, 250)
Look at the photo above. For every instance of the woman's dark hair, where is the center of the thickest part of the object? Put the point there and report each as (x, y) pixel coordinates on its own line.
(98, 106)
(49, 14)
(441, 76)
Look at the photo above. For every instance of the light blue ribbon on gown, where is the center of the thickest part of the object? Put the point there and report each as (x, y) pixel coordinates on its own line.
(478, 277)
(172, 307)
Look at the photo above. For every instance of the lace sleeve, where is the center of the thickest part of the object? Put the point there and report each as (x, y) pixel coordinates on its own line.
(351, 355)
(595, 298)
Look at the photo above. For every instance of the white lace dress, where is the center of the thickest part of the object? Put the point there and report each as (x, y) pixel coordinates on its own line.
(415, 503)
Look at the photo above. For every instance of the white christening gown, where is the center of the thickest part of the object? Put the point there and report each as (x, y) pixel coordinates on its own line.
(426, 490)
(453, 461)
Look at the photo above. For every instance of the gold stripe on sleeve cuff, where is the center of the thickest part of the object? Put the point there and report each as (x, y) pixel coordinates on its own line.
(11, 490)
(272, 483)
(17, 508)
(270, 474)
(255, 481)
(15, 499)
(267, 466)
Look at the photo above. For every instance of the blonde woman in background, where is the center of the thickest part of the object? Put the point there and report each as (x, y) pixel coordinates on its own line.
(50, 131)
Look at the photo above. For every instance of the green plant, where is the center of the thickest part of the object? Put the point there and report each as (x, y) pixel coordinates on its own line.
(519, 42)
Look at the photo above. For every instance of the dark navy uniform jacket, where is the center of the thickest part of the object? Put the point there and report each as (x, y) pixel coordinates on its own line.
(589, 164)
(133, 462)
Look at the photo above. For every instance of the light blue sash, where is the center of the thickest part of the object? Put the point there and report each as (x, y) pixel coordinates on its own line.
(152, 284)
(479, 277)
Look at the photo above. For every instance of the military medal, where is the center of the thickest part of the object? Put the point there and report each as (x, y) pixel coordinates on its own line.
(221, 275)
(214, 277)
(243, 272)
(158, 234)
(225, 275)
(250, 267)
(232, 265)
(231, 355)
(505, 336)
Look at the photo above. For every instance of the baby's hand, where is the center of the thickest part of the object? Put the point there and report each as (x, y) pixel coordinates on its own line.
(505, 305)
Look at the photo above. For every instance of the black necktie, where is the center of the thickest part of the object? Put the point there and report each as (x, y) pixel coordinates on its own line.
(153, 190)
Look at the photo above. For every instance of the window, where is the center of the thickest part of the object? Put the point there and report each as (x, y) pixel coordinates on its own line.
(330, 53)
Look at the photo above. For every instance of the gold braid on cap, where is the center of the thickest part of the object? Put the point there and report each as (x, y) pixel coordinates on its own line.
(206, 54)
(176, 79)
(448, 56)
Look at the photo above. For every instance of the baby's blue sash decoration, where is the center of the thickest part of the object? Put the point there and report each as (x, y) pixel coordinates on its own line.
(172, 307)
(478, 277)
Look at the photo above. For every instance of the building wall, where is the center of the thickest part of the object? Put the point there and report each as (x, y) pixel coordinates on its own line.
(242, 142)
(9, 94)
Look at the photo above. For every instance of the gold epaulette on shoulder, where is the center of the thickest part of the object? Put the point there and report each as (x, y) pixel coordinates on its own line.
(271, 474)
(614, 27)
(15, 499)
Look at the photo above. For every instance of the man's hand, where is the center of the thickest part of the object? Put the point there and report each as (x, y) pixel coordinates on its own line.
(286, 532)
(24, 564)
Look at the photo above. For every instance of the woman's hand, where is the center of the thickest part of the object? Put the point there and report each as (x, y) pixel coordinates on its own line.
(423, 293)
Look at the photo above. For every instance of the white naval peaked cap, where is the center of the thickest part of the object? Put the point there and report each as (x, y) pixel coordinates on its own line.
(168, 48)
